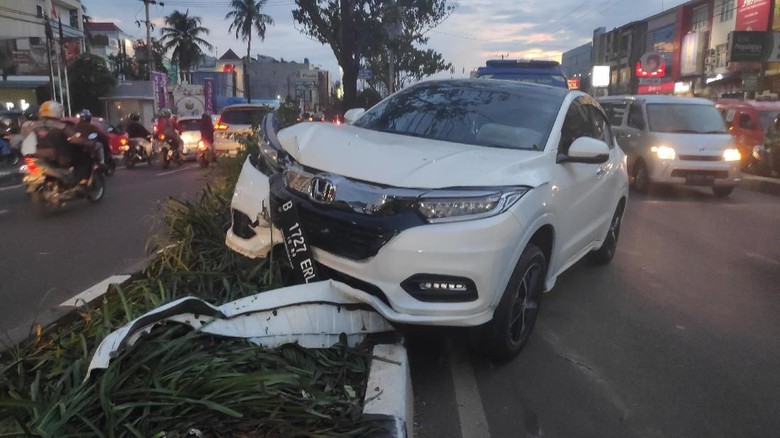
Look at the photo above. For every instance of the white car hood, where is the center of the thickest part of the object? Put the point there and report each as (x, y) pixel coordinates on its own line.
(406, 161)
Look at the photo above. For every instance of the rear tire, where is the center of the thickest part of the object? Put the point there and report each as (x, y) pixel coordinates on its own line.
(604, 255)
(97, 188)
(722, 192)
(166, 161)
(508, 332)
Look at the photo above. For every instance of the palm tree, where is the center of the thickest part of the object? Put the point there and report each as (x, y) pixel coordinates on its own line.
(247, 14)
(182, 35)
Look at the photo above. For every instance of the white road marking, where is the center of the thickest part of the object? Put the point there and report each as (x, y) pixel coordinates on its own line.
(2, 212)
(94, 292)
(757, 256)
(174, 171)
(11, 187)
(473, 423)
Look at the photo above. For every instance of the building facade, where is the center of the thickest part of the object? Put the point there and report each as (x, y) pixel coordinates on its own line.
(577, 66)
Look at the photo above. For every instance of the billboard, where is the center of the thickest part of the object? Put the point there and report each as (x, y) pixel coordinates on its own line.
(188, 100)
(745, 46)
(753, 15)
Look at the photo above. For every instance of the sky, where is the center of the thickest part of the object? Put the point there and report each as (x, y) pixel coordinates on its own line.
(477, 30)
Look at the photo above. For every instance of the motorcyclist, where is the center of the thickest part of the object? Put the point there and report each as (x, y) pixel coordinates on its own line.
(85, 127)
(207, 131)
(772, 146)
(137, 132)
(5, 133)
(60, 143)
(168, 125)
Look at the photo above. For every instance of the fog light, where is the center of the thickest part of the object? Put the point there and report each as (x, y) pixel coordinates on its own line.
(440, 288)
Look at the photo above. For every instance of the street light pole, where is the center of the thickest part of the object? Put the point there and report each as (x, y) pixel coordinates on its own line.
(149, 32)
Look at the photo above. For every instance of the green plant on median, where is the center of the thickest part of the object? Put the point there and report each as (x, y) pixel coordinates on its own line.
(177, 379)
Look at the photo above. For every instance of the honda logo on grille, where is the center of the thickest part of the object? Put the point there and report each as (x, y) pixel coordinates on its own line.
(322, 190)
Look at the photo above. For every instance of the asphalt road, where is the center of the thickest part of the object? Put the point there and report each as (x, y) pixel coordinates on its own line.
(678, 337)
(47, 259)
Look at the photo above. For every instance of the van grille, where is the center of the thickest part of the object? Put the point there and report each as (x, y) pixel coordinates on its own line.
(701, 157)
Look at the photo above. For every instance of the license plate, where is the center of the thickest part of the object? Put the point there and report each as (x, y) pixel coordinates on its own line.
(699, 180)
(296, 243)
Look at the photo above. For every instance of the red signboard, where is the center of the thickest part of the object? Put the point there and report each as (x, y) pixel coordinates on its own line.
(662, 88)
(574, 84)
(753, 15)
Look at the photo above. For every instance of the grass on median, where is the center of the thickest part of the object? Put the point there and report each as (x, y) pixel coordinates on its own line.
(177, 380)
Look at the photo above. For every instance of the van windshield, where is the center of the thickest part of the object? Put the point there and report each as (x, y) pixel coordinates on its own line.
(685, 118)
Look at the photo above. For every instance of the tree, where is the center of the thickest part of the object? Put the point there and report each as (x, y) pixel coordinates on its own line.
(247, 14)
(182, 36)
(140, 63)
(357, 30)
(89, 80)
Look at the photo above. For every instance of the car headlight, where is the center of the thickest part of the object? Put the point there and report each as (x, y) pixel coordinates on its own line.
(731, 154)
(459, 205)
(664, 152)
(297, 181)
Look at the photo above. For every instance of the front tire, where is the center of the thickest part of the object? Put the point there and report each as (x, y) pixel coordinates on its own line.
(641, 178)
(604, 255)
(722, 192)
(507, 333)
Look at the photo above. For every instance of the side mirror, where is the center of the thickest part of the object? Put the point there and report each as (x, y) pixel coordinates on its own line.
(585, 150)
(353, 114)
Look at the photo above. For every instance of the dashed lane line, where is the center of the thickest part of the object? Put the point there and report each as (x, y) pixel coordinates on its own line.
(11, 187)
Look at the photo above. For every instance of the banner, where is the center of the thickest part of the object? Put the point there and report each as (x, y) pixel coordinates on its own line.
(209, 99)
(747, 46)
(753, 15)
(160, 89)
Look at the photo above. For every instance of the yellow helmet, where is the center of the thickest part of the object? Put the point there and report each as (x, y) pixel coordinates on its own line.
(51, 109)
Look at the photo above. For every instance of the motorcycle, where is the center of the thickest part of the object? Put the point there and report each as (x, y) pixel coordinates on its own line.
(110, 164)
(51, 187)
(168, 151)
(205, 155)
(135, 152)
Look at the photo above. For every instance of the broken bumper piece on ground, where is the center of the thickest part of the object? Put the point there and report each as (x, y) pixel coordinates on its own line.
(314, 315)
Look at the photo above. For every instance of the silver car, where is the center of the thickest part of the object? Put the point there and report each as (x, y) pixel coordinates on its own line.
(234, 122)
(674, 140)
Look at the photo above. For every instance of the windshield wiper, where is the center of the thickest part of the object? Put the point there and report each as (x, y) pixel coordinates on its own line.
(686, 131)
(714, 132)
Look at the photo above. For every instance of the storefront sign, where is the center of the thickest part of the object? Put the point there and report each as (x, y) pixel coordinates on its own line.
(753, 15)
(662, 88)
(209, 99)
(188, 100)
(600, 76)
(747, 46)
(574, 84)
(160, 88)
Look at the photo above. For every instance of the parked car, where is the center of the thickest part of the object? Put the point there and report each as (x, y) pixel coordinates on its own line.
(747, 121)
(116, 139)
(190, 136)
(674, 140)
(525, 70)
(234, 122)
(452, 203)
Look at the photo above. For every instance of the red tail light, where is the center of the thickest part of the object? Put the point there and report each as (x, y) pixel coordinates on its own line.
(30, 163)
(161, 136)
(123, 141)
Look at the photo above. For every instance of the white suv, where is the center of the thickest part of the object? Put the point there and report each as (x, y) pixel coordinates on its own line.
(234, 122)
(450, 203)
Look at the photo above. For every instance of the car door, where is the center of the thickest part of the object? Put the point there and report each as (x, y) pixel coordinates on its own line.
(577, 190)
(634, 135)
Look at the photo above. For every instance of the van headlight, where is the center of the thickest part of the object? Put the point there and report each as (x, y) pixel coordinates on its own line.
(664, 152)
(731, 154)
(460, 205)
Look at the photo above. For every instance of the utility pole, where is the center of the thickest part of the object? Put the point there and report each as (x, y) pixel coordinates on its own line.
(149, 31)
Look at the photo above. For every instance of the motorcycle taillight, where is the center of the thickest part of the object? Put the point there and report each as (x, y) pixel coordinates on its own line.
(30, 164)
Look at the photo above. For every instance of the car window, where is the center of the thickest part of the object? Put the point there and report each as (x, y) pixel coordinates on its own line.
(635, 119)
(615, 112)
(190, 124)
(245, 116)
(483, 113)
(600, 126)
(685, 118)
(745, 121)
(576, 124)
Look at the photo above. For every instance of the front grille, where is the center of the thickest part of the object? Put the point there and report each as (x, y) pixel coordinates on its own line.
(242, 225)
(701, 157)
(684, 173)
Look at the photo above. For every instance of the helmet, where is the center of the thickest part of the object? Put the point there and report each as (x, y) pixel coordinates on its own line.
(85, 115)
(51, 109)
(165, 112)
(135, 117)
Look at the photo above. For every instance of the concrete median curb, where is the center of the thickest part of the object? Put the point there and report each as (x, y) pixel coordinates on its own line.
(761, 184)
(389, 399)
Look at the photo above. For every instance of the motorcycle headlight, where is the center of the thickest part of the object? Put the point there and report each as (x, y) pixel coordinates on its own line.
(664, 152)
(731, 154)
(460, 205)
(758, 150)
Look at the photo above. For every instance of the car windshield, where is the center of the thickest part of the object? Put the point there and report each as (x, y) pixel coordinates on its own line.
(190, 124)
(685, 118)
(484, 113)
(246, 116)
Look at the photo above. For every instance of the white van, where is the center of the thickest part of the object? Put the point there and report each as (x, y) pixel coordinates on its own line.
(674, 140)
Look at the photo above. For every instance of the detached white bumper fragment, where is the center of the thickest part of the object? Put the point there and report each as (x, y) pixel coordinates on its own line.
(314, 315)
(250, 198)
